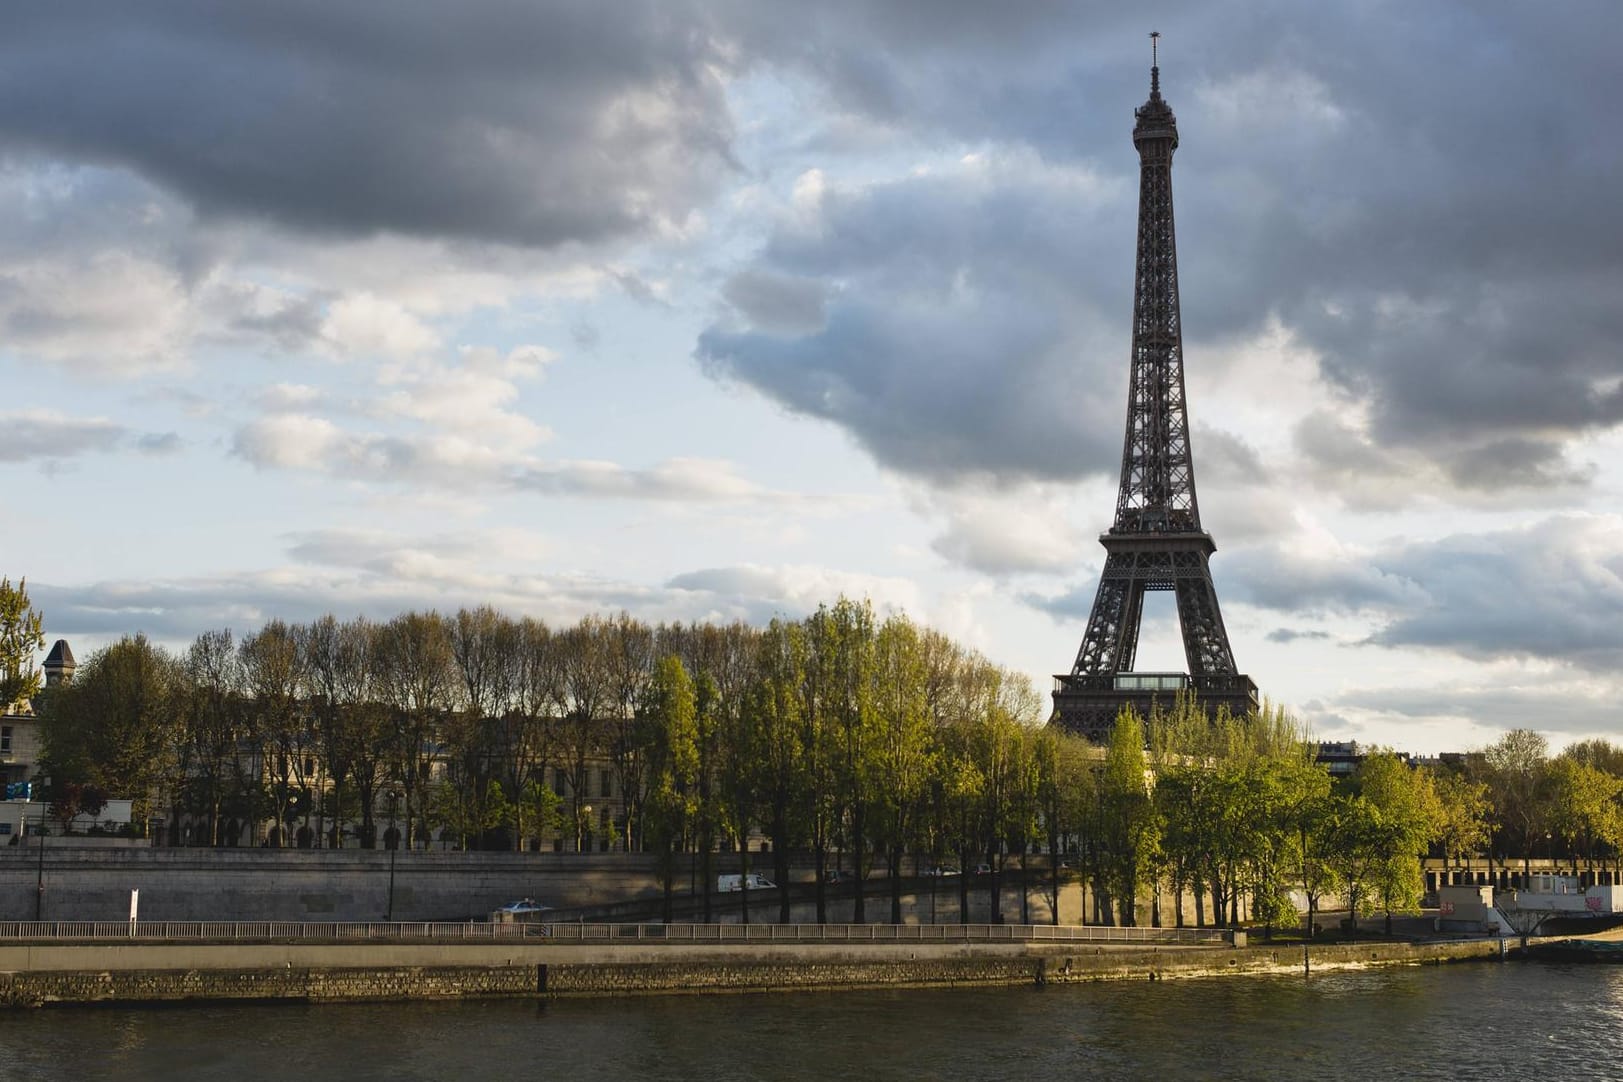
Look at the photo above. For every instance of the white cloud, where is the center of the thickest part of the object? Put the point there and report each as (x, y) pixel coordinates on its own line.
(370, 326)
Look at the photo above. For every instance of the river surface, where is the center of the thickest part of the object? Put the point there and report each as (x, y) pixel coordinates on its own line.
(1463, 1021)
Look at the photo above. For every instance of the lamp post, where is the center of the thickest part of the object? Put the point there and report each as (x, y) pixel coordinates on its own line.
(394, 848)
(39, 879)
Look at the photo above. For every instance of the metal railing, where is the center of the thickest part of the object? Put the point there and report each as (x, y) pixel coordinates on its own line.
(707, 934)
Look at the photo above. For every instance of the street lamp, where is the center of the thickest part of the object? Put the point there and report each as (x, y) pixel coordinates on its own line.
(39, 880)
(394, 848)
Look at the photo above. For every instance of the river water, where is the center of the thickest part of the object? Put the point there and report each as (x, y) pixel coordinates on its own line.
(1463, 1021)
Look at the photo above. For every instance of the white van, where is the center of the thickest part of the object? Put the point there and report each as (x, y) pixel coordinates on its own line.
(727, 884)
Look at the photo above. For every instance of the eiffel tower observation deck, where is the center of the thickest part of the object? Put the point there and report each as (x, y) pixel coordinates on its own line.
(1156, 542)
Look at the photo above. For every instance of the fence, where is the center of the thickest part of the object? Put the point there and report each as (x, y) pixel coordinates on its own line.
(345, 932)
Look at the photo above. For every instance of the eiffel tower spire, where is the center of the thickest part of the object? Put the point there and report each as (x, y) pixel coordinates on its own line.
(1156, 541)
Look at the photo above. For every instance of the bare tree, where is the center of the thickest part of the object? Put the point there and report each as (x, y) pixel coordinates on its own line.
(415, 668)
(271, 667)
(213, 707)
(631, 665)
(588, 690)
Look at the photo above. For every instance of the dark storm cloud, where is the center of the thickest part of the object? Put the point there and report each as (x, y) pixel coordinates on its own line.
(1552, 592)
(1423, 196)
(1074, 604)
(952, 344)
(498, 120)
(1546, 706)
(1271, 577)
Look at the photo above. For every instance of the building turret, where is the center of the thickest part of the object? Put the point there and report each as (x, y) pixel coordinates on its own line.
(59, 664)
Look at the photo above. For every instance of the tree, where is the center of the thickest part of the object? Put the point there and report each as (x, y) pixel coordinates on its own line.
(211, 707)
(1066, 780)
(1516, 769)
(902, 753)
(526, 736)
(484, 647)
(463, 812)
(1583, 801)
(272, 674)
(114, 727)
(21, 635)
(412, 653)
(1406, 823)
(630, 666)
(588, 684)
(1306, 814)
(854, 729)
(775, 706)
(1462, 808)
(1132, 829)
(670, 712)
(1356, 849)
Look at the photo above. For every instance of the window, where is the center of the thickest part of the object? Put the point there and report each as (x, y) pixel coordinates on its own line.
(558, 785)
(605, 784)
(5, 738)
(5, 828)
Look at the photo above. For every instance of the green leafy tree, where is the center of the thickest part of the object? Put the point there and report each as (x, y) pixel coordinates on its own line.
(1131, 825)
(115, 726)
(776, 705)
(1307, 814)
(902, 751)
(671, 714)
(1405, 824)
(854, 728)
(1516, 770)
(463, 812)
(1463, 808)
(1583, 801)
(21, 635)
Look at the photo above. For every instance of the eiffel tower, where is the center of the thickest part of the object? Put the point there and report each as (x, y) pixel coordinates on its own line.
(1156, 542)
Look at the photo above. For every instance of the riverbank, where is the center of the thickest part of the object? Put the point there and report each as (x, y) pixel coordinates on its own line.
(113, 973)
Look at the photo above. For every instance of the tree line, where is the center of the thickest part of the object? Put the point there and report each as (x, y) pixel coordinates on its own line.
(859, 741)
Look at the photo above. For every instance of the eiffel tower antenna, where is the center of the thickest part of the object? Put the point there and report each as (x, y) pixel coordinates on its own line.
(1156, 541)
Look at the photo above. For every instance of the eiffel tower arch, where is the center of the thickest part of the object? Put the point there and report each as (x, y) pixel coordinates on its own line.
(1156, 541)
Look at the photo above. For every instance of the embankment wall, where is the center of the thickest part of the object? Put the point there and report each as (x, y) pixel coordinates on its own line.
(102, 973)
(94, 883)
(320, 884)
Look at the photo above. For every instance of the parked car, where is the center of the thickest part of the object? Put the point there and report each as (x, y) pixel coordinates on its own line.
(727, 884)
(982, 869)
(839, 875)
(938, 871)
(524, 905)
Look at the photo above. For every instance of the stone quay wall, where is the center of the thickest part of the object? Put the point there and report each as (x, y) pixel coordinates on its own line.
(93, 883)
(90, 882)
(45, 974)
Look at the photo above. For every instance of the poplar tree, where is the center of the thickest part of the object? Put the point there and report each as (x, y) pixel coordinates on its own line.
(671, 715)
(21, 635)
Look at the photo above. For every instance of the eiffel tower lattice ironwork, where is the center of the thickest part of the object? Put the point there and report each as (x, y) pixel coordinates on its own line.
(1156, 542)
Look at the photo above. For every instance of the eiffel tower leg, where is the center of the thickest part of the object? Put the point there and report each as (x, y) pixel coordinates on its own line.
(1111, 640)
(1205, 642)
(1127, 652)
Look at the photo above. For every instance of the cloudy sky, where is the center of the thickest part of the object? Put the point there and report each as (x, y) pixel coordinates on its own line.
(716, 310)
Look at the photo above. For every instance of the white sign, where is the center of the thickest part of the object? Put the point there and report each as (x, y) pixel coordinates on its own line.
(135, 904)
